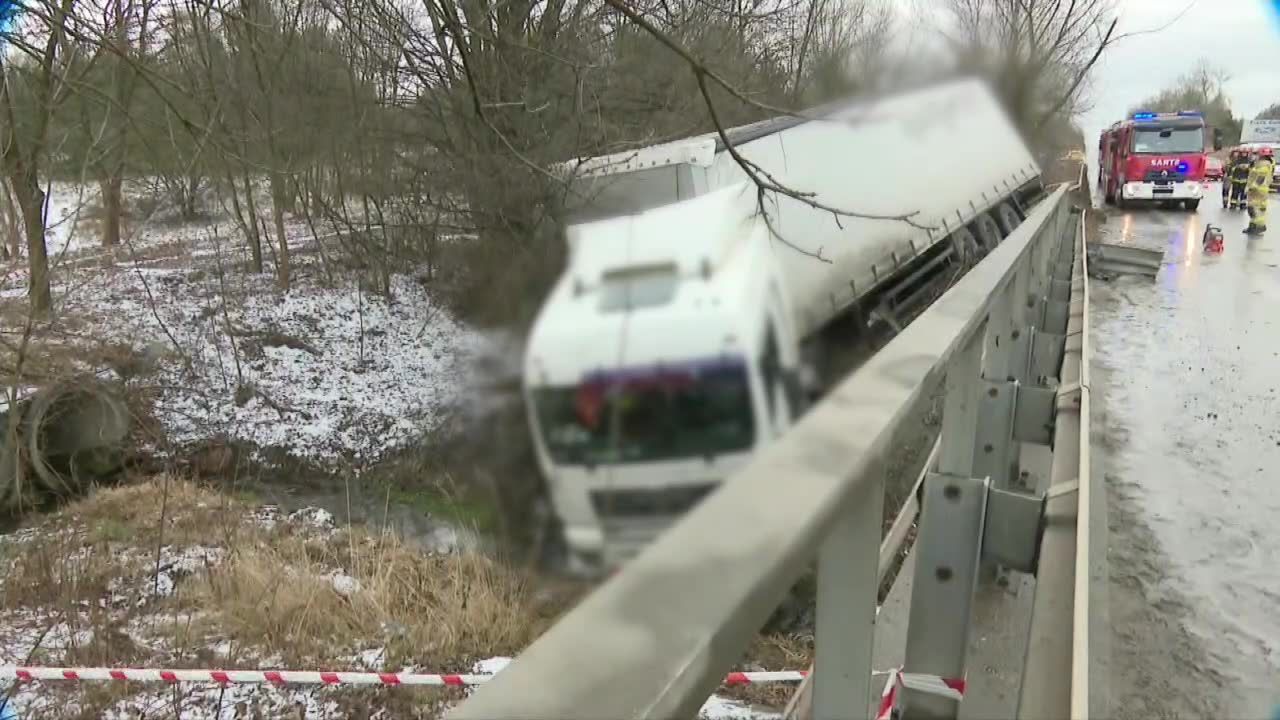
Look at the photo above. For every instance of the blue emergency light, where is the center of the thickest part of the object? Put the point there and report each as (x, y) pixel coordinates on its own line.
(1183, 167)
(1190, 113)
(1144, 116)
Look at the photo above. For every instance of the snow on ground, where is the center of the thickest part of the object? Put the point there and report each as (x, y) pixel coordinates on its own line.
(65, 205)
(718, 708)
(326, 371)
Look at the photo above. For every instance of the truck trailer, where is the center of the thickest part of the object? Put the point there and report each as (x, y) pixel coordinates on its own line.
(1263, 133)
(695, 316)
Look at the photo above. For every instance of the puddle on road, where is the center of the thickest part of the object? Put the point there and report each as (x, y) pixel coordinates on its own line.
(1194, 403)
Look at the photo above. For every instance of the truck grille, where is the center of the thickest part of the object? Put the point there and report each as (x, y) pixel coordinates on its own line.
(1157, 176)
(624, 538)
(647, 503)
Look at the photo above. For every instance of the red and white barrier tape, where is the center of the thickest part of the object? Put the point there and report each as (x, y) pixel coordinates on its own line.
(296, 677)
(925, 683)
(931, 684)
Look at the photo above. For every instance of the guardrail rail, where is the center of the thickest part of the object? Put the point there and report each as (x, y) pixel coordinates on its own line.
(1009, 343)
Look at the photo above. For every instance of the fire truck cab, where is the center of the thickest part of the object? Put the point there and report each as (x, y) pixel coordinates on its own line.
(1155, 157)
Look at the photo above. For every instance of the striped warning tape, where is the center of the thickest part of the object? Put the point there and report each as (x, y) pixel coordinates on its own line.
(931, 684)
(897, 679)
(304, 677)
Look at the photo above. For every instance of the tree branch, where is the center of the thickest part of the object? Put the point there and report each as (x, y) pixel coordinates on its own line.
(1080, 76)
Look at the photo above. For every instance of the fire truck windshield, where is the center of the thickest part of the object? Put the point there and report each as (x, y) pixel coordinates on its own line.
(1168, 141)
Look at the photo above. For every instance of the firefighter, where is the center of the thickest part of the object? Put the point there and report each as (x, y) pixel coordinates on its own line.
(1238, 178)
(1226, 178)
(1259, 189)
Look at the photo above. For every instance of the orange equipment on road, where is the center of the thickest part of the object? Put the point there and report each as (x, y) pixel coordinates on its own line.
(1212, 241)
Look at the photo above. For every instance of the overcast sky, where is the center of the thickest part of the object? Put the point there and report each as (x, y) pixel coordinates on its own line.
(1241, 36)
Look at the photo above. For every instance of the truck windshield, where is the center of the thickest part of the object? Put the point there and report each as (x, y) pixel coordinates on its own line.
(1168, 141)
(645, 415)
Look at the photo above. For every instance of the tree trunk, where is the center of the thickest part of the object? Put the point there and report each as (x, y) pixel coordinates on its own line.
(279, 198)
(111, 210)
(31, 202)
(12, 229)
(313, 191)
(189, 195)
(254, 238)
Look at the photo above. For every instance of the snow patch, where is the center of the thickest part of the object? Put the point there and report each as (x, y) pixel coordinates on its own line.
(718, 708)
(371, 659)
(326, 372)
(313, 517)
(490, 666)
(344, 584)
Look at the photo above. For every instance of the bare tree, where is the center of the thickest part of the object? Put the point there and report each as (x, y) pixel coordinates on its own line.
(1201, 88)
(1038, 53)
(33, 84)
(121, 19)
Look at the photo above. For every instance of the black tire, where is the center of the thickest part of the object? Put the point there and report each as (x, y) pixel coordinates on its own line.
(966, 247)
(988, 232)
(1192, 205)
(1007, 218)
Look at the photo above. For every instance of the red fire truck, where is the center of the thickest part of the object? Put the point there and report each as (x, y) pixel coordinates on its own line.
(1156, 157)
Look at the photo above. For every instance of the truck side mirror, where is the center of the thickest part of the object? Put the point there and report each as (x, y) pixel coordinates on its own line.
(1217, 138)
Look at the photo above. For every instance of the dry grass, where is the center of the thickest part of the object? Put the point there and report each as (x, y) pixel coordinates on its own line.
(432, 611)
(772, 652)
(60, 573)
(271, 599)
(192, 514)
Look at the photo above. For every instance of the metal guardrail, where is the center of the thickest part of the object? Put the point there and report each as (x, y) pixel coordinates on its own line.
(655, 640)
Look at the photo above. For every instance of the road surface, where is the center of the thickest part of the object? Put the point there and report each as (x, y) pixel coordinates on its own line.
(1190, 413)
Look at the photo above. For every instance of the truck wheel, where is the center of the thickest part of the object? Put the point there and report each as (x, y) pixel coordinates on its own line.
(1192, 205)
(988, 232)
(1007, 218)
(966, 247)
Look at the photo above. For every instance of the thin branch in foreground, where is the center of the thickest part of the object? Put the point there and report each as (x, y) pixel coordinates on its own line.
(1080, 76)
(761, 178)
(765, 181)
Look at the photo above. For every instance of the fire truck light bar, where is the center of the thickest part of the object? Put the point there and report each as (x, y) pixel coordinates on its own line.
(1155, 115)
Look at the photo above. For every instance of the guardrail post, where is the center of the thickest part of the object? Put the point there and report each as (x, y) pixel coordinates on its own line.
(1003, 363)
(948, 546)
(846, 606)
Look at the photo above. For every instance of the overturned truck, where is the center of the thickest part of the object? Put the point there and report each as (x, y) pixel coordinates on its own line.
(702, 312)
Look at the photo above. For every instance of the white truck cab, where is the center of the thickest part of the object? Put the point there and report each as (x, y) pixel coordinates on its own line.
(657, 367)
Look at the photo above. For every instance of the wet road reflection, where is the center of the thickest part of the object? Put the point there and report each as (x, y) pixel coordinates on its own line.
(1193, 403)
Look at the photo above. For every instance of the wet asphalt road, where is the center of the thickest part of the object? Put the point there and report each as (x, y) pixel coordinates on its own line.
(1192, 426)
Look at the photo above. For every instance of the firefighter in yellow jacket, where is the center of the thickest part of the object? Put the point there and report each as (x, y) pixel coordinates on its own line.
(1258, 189)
